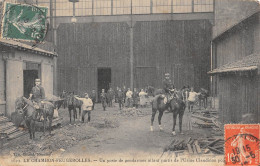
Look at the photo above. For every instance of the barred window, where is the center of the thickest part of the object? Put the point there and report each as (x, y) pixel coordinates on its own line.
(64, 8)
(121, 7)
(141, 6)
(102, 7)
(182, 6)
(83, 8)
(203, 5)
(162, 6)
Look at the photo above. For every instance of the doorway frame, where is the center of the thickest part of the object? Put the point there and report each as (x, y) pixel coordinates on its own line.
(97, 78)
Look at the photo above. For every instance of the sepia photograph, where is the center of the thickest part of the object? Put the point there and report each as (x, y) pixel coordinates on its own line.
(130, 82)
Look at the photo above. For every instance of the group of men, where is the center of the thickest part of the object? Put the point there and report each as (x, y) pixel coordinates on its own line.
(124, 97)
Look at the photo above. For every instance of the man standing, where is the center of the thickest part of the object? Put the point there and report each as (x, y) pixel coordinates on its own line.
(93, 97)
(110, 95)
(37, 95)
(103, 98)
(135, 98)
(86, 107)
(129, 94)
(120, 98)
(124, 90)
(192, 98)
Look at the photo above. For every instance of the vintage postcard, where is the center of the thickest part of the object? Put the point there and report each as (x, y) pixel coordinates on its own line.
(130, 82)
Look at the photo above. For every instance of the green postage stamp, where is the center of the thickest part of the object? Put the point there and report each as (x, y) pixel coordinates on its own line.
(24, 22)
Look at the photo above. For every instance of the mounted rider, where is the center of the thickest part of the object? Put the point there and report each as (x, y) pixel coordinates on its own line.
(168, 87)
(37, 95)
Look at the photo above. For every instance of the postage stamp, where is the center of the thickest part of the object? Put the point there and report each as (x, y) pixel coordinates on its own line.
(24, 22)
(242, 144)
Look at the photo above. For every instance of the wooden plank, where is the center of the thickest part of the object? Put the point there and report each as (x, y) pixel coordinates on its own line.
(16, 134)
(215, 150)
(11, 130)
(202, 118)
(198, 148)
(189, 149)
(213, 142)
(2, 129)
(194, 149)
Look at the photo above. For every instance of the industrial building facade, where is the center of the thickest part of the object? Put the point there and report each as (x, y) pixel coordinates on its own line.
(93, 55)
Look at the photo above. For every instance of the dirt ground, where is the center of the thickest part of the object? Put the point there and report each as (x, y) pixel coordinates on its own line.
(126, 132)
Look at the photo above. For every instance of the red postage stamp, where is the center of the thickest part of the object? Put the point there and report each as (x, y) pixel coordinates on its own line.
(242, 144)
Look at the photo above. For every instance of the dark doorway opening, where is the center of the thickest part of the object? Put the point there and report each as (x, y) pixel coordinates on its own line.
(104, 80)
(31, 71)
(29, 77)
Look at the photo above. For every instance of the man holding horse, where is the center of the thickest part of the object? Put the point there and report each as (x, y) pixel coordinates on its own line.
(86, 106)
(37, 95)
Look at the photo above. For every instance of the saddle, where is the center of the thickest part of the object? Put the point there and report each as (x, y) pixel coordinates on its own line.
(169, 96)
(39, 109)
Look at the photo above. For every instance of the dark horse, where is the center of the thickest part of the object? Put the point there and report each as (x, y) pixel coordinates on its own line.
(176, 106)
(73, 104)
(26, 108)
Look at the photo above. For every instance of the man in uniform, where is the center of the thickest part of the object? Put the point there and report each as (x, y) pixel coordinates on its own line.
(37, 95)
(120, 97)
(93, 97)
(168, 86)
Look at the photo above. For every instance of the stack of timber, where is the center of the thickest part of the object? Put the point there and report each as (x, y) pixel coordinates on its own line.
(9, 131)
(195, 146)
(181, 146)
(214, 145)
(206, 119)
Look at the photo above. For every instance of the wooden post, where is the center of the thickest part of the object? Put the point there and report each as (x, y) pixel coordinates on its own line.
(151, 6)
(112, 7)
(131, 57)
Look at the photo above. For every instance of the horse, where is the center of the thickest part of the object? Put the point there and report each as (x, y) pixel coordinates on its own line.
(176, 105)
(73, 104)
(26, 108)
(151, 91)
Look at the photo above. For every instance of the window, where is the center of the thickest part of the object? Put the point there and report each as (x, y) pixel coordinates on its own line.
(141, 6)
(203, 6)
(102, 7)
(162, 6)
(121, 7)
(83, 8)
(182, 6)
(64, 8)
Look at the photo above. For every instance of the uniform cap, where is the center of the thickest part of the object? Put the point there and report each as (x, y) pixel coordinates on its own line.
(167, 74)
(37, 80)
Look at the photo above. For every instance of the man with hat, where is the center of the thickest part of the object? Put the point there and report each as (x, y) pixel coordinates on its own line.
(168, 85)
(37, 95)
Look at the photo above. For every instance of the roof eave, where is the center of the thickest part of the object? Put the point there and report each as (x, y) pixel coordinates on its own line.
(240, 69)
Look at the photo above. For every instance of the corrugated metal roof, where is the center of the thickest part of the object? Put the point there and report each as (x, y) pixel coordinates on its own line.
(23, 46)
(247, 63)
